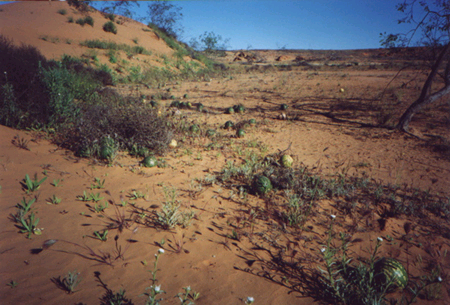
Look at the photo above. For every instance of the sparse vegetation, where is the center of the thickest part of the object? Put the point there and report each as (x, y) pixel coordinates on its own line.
(110, 27)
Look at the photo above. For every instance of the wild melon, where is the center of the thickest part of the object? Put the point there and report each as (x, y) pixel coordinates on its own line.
(252, 121)
(239, 108)
(200, 107)
(284, 107)
(210, 132)
(228, 125)
(175, 104)
(150, 161)
(230, 110)
(194, 128)
(107, 148)
(389, 271)
(286, 161)
(261, 184)
(240, 133)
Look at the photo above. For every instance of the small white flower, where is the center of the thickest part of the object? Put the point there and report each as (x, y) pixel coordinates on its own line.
(250, 300)
(439, 279)
(323, 249)
(333, 216)
(161, 251)
(157, 288)
(380, 239)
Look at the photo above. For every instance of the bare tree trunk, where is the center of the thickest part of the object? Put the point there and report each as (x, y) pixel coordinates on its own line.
(424, 98)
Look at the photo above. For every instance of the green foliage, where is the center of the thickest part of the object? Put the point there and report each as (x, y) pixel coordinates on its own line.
(109, 45)
(101, 236)
(89, 20)
(129, 126)
(172, 214)
(25, 206)
(69, 282)
(80, 21)
(210, 43)
(54, 200)
(62, 12)
(32, 185)
(165, 16)
(99, 184)
(110, 27)
(29, 225)
(70, 19)
(110, 16)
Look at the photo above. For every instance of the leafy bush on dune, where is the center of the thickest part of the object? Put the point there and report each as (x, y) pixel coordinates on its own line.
(110, 27)
(67, 97)
(38, 93)
(131, 126)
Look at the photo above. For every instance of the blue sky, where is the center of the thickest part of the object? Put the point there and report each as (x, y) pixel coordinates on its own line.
(293, 24)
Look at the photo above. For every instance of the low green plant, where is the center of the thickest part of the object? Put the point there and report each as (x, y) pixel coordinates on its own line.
(103, 236)
(21, 142)
(32, 185)
(134, 195)
(62, 12)
(99, 184)
(70, 19)
(91, 197)
(56, 182)
(25, 206)
(89, 20)
(154, 290)
(29, 225)
(101, 207)
(188, 295)
(12, 284)
(54, 200)
(171, 214)
(69, 282)
(118, 298)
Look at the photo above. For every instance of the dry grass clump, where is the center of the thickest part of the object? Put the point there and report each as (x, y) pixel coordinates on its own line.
(135, 128)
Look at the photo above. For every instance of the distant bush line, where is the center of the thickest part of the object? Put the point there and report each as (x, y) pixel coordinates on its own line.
(109, 45)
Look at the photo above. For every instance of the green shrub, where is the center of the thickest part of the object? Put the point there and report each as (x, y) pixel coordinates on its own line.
(89, 20)
(70, 19)
(62, 12)
(110, 27)
(110, 16)
(23, 96)
(80, 21)
(128, 124)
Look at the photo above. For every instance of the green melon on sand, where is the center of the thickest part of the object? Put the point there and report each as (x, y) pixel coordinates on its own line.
(389, 271)
(286, 161)
(150, 161)
(261, 184)
(229, 124)
(240, 133)
(230, 110)
(194, 128)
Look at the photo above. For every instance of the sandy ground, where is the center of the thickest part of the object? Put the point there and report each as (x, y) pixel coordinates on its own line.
(331, 126)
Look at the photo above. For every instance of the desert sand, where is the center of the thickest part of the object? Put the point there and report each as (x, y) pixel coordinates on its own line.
(330, 126)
